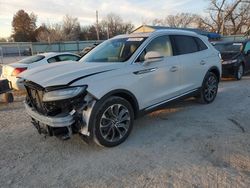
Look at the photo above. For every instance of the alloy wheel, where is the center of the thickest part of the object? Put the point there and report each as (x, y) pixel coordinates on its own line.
(240, 71)
(211, 88)
(115, 122)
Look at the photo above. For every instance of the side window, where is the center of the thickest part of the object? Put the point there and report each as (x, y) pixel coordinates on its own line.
(53, 59)
(185, 44)
(247, 47)
(160, 44)
(68, 57)
(200, 43)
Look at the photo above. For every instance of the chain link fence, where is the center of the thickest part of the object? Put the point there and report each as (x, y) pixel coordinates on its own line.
(1, 55)
(18, 49)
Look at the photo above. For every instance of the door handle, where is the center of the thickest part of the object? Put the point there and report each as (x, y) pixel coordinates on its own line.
(173, 69)
(203, 62)
(145, 71)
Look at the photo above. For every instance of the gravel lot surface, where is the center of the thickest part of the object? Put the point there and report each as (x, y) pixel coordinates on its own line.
(186, 145)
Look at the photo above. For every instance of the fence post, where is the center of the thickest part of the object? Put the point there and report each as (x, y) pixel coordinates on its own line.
(78, 46)
(59, 46)
(31, 48)
(1, 54)
(19, 51)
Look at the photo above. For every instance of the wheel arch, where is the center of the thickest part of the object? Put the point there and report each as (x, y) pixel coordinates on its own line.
(216, 71)
(130, 97)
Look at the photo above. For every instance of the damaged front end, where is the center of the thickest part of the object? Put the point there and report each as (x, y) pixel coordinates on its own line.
(59, 111)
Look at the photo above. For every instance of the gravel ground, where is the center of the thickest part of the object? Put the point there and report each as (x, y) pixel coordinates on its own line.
(186, 145)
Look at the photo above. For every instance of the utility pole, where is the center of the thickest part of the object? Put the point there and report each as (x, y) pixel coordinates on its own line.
(107, 31)
(97, 26)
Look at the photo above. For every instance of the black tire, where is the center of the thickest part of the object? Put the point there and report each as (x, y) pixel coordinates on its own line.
(108, 127)
(239, 72)
(209, 88)
(8, 97)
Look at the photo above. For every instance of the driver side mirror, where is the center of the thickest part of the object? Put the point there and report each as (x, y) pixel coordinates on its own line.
(152, 56)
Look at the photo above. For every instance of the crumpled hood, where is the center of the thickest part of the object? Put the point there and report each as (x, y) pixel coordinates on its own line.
(65, 72)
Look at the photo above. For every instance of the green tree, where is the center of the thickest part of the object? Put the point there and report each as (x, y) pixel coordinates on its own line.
(24, 26)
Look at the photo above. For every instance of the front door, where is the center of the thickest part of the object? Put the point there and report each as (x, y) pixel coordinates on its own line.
(157, 81)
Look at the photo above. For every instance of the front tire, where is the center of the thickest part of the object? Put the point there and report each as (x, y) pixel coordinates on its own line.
(239, 73)
(113, 121)
(209, 88)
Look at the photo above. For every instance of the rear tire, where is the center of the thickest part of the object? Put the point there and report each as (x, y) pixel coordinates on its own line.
(239, 73)
(113, 121)
(209, 88)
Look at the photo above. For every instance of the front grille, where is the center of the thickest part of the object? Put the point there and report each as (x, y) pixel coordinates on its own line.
(35, 99)
(35, 96)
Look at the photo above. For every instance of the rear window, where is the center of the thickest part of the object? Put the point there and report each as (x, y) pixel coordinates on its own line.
(32, 59)
(185, 44)
(68, 57)
(201, 44)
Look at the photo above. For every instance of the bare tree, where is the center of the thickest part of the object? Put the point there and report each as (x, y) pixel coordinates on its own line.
(228, 17)
(113, 25)
(178, 20)
(49, 33)
(71, 28)
(239, 20)
(181, 20)
(89, 33)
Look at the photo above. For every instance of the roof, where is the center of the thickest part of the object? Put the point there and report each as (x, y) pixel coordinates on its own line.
(147, 34)
(133, 35)
(210, 35)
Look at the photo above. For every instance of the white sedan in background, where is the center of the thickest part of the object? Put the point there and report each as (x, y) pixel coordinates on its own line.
(12, 70)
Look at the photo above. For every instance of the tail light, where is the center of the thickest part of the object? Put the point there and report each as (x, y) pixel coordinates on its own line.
(17, 71)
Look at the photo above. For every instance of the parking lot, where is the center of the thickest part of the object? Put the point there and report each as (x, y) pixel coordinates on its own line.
(185, 145)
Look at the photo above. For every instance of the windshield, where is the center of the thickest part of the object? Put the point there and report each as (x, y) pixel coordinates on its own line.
(229, 47)
(32, 59)
(114, 50)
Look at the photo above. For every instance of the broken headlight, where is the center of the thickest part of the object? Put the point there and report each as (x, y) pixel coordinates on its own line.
(65, 93)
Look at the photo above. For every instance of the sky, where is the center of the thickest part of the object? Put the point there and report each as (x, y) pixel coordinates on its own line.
(134, 11)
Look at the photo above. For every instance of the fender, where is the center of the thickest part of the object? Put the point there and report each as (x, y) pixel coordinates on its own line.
(217, 73)
(126, 95)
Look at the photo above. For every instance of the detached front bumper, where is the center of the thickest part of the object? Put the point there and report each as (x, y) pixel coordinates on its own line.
(55, 122)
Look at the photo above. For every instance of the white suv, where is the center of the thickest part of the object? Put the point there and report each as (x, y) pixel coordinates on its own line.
(119, 80)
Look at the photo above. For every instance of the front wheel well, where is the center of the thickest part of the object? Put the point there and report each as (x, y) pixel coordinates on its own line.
(127, 96)
(216, 72)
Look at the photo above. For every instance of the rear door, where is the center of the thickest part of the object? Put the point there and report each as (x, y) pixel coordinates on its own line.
(193, 57)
